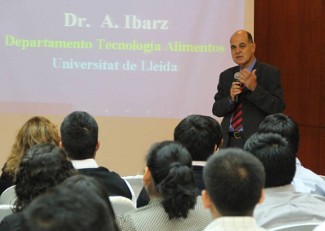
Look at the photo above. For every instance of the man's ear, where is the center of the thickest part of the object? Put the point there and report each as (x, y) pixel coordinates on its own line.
(146, 176)
(253, 46)
(97, 145)
(262, 197)
(216, 147)
(61, 144)
(206, 199)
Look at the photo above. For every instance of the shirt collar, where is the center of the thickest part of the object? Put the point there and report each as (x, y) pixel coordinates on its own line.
(198, 163)
(250, 67)
(87, 163)
(284, 188)
(234, 223)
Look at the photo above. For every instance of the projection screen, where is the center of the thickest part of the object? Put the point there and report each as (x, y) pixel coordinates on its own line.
(115, 58)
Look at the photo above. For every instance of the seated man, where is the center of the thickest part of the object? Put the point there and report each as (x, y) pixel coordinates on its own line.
(201, 136)
(304, 180)
(283, 205)
(79, 134)
(234, 182)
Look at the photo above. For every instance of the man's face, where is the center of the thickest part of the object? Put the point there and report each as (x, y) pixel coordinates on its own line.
(242, 50)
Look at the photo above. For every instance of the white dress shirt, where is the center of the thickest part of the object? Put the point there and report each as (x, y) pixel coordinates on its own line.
(307, 181)
(284, 206)
(233, 224)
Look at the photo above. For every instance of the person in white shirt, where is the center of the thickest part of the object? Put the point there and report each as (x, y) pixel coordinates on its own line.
(320, 227)
(305, 180)
(283, 205)
(234, 181)
(79, 138)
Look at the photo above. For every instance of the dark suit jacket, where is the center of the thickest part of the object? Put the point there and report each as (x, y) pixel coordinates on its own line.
(267, 99)
(12, 222)
(5, 181)
(113, 183)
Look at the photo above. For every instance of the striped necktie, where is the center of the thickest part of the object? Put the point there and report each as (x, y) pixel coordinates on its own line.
(237, 118)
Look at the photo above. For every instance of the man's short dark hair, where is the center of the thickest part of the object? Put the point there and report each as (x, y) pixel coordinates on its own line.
(277, 157)
(234, 180)
(79, 134)
(66, 209)
(283, 125)
(250, 37)
(199, 134)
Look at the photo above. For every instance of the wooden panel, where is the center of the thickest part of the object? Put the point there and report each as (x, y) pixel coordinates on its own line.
(291, 35)
(309, 148)
(288, 35)
(322, 64)
(322, 152)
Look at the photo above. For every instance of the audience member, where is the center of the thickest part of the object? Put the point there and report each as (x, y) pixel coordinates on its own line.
(79, 134)
(80, 181)
(201, 136)
(282, 204)
(304, 180)
(36, 130)
(42, 167)
(80, 203)
(234, 182)
(173, 205)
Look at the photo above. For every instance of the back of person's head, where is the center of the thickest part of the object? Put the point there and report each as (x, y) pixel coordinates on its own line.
(43, 167)
(200, 135)
(79, 182)
(170, 166)
(34, 131)
(68, 209)
(275, 154)
(284, 126)
(234, 181)
(79, 134)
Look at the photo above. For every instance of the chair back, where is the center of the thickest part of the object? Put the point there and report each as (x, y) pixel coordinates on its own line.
(136, 183)
(5, 210)
(8, 197)
(121, 205)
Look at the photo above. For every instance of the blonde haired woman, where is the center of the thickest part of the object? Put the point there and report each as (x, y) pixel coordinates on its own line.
(36, 130)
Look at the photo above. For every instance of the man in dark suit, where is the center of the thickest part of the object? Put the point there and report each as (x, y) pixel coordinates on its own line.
(247, 93)
(79, 134)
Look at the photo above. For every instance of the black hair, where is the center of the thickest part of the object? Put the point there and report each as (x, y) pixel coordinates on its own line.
(283, 125)
(170, 166)
(199, 134)
(43, 167)
(68, 209)
(234, 180)
(79, 134)
(277, 157)
(80, 182)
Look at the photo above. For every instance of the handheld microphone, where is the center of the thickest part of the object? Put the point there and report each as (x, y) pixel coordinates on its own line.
(236, 76)
(236, 79)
